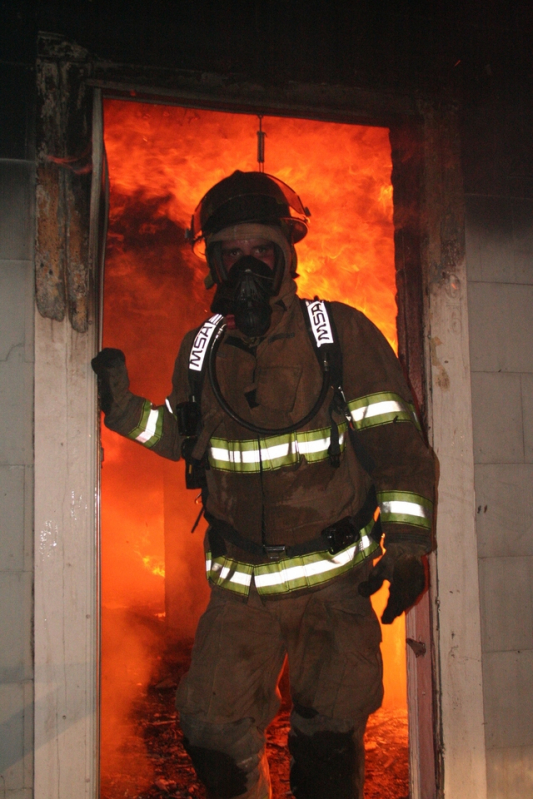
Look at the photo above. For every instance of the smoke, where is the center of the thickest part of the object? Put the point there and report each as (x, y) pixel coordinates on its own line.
(153, 294)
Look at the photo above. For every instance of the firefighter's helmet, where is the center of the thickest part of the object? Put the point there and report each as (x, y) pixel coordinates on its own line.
(249, 197)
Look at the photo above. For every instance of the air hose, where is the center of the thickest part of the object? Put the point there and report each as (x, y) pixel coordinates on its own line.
(261, 431)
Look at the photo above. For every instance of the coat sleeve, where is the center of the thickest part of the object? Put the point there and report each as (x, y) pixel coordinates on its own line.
(384, 420)
(153, 426)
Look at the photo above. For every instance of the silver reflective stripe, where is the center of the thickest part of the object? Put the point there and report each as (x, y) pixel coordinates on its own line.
(250, 456)
(319, 445)
(275, 452)
(306, 571)
(289, 574)
(384, 407)
(229, 573)
(169, 406)
(376, 409)
(405, 507)
(200, 344)
(150, 429)
(237, 577)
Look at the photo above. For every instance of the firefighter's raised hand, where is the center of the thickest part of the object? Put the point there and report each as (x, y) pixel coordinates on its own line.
(404, 570)
(108, 358)
(113, 380)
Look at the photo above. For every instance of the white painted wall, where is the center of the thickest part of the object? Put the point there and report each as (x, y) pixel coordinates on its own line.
(16, 478)
(456, 590)
(66, 645)
(500, 273)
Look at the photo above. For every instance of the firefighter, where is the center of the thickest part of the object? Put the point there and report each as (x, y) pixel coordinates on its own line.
(295, 420)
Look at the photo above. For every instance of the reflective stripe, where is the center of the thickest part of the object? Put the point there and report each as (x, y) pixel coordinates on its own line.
(414, 415)
(403, 507)
(275, 451)
(169, 406)
(229, 573)
(382, 408)
(289, 574)
(150, 428)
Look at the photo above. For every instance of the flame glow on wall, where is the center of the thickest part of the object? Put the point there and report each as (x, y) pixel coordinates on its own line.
(162, 160)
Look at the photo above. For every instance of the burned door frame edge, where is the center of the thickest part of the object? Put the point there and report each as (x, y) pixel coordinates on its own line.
(432, 321)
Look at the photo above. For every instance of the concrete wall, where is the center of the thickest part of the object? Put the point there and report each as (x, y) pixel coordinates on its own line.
(499, 254)
(16, 434)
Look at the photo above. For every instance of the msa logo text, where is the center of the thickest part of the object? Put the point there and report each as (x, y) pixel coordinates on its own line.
(199, 347)
(320, 325)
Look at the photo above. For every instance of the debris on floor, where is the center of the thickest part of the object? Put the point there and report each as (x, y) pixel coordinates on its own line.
(151, 762)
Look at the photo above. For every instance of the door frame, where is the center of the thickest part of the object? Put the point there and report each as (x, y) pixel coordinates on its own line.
(447, 752)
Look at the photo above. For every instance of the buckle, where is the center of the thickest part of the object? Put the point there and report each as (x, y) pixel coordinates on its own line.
(340, 535)
(275, 552)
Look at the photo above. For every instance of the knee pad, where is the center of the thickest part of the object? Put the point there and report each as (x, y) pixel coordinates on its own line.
(228, 758)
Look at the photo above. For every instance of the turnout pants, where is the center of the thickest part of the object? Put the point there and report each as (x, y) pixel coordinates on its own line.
(229, 696)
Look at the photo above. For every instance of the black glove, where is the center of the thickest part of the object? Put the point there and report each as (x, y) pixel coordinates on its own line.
(404, 569)
(113, 380)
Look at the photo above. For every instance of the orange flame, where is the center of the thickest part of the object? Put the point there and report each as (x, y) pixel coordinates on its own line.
(342, 173)
(162, 160)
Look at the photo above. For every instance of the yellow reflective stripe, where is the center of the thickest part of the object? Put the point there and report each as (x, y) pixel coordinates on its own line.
(314, 445)
(384, 407)
(150, 427)
(245, 456)
(307, 571)
(404, 507)
(289, 574)
(229, 573)
(275, 452)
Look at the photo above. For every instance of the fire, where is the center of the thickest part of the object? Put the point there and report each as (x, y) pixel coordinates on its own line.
(172, 156)
(162, 160)
(154, 565)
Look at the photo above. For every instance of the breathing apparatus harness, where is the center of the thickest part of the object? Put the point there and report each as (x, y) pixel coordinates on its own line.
(202, 359)
(243, 296)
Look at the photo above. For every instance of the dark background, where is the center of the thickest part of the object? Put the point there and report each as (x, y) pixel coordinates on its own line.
(481, 51)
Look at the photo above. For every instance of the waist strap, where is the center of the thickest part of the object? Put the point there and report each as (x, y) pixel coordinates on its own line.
(333, 538)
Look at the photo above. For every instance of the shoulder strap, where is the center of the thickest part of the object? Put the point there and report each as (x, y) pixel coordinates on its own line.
(323, 335)
(197, 359)
(324, 339)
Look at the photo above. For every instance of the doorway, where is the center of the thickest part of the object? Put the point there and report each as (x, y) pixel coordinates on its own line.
(162, 159)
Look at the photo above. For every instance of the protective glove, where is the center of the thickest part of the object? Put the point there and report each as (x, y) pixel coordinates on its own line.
(402, 566)
(113, 380)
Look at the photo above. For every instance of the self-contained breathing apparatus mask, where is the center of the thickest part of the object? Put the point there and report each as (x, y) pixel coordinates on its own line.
(246, 292)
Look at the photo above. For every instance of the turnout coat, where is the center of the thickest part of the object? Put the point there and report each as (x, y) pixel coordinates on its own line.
(283, 490)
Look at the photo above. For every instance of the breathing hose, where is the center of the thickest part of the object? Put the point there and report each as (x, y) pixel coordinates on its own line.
(262, 431)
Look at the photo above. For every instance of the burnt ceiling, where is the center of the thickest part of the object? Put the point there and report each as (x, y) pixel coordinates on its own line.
(387, 43)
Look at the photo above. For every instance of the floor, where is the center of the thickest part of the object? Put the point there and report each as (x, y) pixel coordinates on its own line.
(142, 751)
